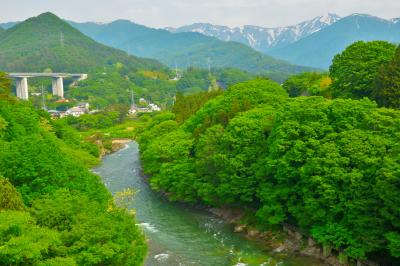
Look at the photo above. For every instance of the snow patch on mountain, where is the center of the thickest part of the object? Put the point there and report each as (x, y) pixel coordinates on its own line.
(261, 38)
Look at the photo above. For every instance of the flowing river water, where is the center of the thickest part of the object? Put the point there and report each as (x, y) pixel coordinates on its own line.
(182, 235)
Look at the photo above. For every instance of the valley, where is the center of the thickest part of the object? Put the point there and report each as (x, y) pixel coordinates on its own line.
(124, 144)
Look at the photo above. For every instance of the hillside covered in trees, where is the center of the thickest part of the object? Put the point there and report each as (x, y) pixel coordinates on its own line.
(46, 41)
(53, 210)
(186, 49)
(327, 164)
(48, 44)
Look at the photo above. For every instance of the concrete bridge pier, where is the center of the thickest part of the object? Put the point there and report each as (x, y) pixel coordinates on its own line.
(22, 88)
(58, 86)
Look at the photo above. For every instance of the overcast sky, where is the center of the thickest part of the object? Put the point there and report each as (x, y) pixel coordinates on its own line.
(162, 13)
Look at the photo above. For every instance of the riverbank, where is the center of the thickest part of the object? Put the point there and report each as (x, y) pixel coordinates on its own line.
(182, 234)
(287, 239)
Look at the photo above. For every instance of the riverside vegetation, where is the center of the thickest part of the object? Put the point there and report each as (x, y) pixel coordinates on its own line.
(328, 165)
(53, 211)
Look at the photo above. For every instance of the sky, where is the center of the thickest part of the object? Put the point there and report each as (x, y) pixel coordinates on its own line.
(163, 13)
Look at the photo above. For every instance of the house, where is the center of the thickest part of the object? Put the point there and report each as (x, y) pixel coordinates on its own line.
(154, 107)
(133, 110)
(85, 106)
(80, 109)
(55, 114)
(75, 111)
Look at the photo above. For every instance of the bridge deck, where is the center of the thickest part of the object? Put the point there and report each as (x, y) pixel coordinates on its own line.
(52, 75)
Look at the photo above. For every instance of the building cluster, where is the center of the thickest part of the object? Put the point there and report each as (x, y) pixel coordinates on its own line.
(76, 111)
(151, 107)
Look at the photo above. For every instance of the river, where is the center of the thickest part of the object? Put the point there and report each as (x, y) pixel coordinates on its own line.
(181, 235)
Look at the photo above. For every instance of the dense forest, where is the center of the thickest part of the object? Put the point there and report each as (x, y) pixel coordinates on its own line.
(326, 159)
(53, 210)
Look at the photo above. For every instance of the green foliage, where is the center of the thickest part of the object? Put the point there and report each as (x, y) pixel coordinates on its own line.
(71, 219)
(329, 167)
(238, 98)
(184, 161)
(387, 85)
(5, 85)
(92, 233)
(353, 72)
(308, 84)
(323, 167)
(186, 106)
(22, 242)
(10, 198)
(394, 243)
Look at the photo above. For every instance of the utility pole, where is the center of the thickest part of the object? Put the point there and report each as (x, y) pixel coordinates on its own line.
(61, 40)
(43, 99)
(132, 99)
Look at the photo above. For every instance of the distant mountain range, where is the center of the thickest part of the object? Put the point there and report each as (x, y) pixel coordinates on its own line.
(186, 49)
(311, 43)
(46, 41)
(319, 48)
(260, 38)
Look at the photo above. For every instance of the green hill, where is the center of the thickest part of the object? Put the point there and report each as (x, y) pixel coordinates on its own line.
(46, 41)
(186, 49)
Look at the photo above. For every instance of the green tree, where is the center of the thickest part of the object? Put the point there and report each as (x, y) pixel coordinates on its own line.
(387, 85)
(307, 84)
(353, 72)
(5, 85)
(10, 197)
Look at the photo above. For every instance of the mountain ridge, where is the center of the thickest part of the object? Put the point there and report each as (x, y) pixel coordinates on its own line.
(46, 41)
(318, 49)
(185, 49)
(262, 39)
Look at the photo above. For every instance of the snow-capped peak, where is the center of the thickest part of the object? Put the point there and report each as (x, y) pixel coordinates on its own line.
(329, 18)
(261, 38)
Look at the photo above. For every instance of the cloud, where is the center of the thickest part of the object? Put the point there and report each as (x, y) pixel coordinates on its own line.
(161, 13)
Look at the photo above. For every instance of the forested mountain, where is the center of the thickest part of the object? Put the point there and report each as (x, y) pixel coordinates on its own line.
(48, 42)
(261, 38)
(311, 43)
(185, 49)
(318, 49)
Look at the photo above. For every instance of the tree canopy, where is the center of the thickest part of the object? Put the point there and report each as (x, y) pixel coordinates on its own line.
(353, 71)
(329, 167)
(53, 210)
(387, 85)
